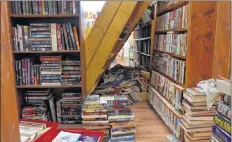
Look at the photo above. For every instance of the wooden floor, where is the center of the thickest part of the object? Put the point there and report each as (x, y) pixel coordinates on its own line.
(150, 127)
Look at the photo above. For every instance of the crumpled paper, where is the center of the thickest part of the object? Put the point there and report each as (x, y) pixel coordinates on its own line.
(211, 92)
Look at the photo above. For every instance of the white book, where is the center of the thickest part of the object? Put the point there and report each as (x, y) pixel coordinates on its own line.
(53, 37)
(66, 137)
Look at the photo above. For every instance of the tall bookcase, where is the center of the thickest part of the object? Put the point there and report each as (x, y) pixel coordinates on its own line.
(175, 69)
(11, 20)
(143, 39)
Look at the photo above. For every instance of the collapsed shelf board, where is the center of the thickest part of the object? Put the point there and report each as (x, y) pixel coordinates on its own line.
(54, 52)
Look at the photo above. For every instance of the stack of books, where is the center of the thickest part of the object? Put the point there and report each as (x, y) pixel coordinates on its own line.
(222, 119)
(172, 20)
(168, 89)
(121, 119)
(69, 108)
(45, 7)
(50, 70)
(71, 73)
(170, 66)
(40, 105)
(197, 122)
(45, 37)
(94, 115)
(26, 72)
(172, 43)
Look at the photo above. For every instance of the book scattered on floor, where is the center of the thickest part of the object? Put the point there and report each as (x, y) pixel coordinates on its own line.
(44, 7)
(45, 37)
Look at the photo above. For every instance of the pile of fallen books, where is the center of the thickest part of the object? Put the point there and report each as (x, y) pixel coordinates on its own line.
(121, 119)
(38, 102)
(124, 81)
(197, 121)
(222, 119)
(94, 115)
(69, 108)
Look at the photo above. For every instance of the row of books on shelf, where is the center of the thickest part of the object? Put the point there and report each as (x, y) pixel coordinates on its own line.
(143, 32)
(45, 37)
(172, 20)
(145, 46)
(169, 115)
(171, 91)
(44, 7)
(170, 66)
(172, 43)
(51, 71)
(222, 119)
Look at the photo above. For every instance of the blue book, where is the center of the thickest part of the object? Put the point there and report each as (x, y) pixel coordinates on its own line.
(86, 138)
(220, 135)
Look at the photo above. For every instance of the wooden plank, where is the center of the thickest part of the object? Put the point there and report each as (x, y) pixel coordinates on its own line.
(221, 63)
(200, 41)
(9, 102)
(172, 7)
(108, 42)
(99, 29)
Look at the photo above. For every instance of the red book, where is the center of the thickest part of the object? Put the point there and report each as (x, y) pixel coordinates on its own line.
(58, 34)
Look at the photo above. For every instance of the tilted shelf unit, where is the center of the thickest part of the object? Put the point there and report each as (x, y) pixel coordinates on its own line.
(198, 57)
(25, 19)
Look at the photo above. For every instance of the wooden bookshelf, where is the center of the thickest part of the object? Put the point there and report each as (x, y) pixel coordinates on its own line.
(172, 7)
(10, 56)
(200, 49)
(44, 16)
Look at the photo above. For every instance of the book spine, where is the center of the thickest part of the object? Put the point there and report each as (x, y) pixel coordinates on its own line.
(224, 110)
(69, 37)
(76, 38)
(62, 39)
(53, 36)
(13, 7)
(66, 37)
(26, 37)
(20, 37)
(24, 7)
(72, 36)
(43, 7)
(29, 72)
(27, 7)
(16, 71)
(220, 135)
(70, 7)
(20, 73)
(58, 33)
(74, 7)
(50, 7)
(222, 122)
(23, 72)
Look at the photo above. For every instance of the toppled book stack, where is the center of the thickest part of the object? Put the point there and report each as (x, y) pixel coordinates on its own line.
(71, 72)
(94, 115)
(69, 108)
(197, 122)
(38, 104)
(50, 70)
(121, 119)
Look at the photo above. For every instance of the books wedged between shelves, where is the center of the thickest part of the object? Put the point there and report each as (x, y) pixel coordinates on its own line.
(197, 121)
(69, 108)
(45, 7)
(39, 105)
(45, 37)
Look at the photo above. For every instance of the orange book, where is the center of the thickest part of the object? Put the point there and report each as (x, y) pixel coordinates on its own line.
(76, 38)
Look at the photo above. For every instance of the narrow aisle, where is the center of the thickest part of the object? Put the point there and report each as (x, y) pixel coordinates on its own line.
(150, 127)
